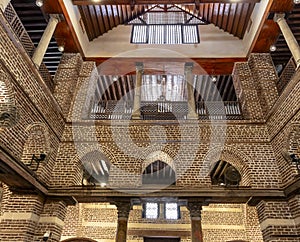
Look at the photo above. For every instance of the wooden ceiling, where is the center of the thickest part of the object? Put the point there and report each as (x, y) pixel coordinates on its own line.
(99, 18)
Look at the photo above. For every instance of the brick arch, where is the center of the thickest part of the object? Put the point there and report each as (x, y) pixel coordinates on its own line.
(93, 155)
(158, 155)
(79, 239)
(8, 110)
(292, 139)
(292, 143)
(37, 141)
(234, 157)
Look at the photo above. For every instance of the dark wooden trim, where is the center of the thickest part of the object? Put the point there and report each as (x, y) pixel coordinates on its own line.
(157, 233)
(211, 66)
(142, 2)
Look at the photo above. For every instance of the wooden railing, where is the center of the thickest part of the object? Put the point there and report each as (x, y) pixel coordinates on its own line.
(219, 110)
(163, 110)
(21, 33)
(286, 75)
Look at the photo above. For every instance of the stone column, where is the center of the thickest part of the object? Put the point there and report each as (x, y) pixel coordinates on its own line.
(137, 91)
(264, 73)
(123, 214)
(246, 90)
(288, 36)
(40, 51)
(188, 72)
(195, 213)
(20, 216)
(277, 221)
(51, 220)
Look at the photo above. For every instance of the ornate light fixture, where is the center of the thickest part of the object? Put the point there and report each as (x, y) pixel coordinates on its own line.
(37, 160)
(39, 3)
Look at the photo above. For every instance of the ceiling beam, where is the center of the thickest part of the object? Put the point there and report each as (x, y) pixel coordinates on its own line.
(143, 2)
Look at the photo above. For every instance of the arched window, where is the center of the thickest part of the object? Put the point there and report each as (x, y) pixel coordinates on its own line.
(159, 172)
(225, 174)
(95, 172)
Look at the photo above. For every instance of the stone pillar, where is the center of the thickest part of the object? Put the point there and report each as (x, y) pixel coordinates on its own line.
(246, 91)
(65, 81)
(40, 51)
(188, 72)
(264, 73)
(195, 213)
(123, 214)
(51, 220)
(20, 216)
(277, 222)
(288, 36)
(138, 91)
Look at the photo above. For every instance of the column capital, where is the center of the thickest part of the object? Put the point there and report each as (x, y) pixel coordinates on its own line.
(58, 17)
(188, 66)
(139, 66)
(124, 208)
(278, 17)
(195, 209)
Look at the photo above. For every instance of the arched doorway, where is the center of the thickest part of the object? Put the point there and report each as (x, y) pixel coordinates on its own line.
(79, 240)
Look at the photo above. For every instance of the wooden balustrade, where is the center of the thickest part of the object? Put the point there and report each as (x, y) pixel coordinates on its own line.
(164, 110)
(20, 32)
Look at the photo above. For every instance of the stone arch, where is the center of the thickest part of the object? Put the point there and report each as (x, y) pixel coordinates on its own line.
(79, 239)
(292, 139)
(158, 155)
(232, 156)
(37, 142)
(95, 167)
(161, 165)
(292, 144)
(8, 110)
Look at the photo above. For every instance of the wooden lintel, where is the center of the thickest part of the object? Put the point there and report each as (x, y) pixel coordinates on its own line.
(19, 175)
(143, 2)
(126, 66)
(213, 195)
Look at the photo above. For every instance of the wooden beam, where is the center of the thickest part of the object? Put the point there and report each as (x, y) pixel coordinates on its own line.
(214, 194)
(202, 66)
(270, 30)
(143, 2)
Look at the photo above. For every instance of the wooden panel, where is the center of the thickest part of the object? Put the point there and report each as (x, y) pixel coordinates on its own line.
(212, 66)
(120, 2)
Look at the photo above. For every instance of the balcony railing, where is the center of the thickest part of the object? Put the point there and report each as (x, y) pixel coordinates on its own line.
(21, 33)
(219, 110)
(164, 110)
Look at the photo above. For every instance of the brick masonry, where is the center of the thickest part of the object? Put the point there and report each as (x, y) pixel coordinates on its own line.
(55, 124)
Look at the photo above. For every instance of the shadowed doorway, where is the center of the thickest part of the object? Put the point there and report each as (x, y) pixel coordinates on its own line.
(158, 239)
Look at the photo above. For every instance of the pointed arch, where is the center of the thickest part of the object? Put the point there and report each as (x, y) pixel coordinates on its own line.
(8, 110)
(234, 157)
(158, 168)
(37, 142)
(78, 239)
(95, 168)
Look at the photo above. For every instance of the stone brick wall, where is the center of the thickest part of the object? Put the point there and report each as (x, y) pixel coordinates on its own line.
(265, 76)
(33, 105)
(220, 222)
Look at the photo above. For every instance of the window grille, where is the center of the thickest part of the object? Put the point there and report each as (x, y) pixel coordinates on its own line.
(151, 210)
(171, 211)
(165, 34)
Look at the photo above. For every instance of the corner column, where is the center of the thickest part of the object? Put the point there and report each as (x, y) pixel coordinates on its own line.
(188, 72)
(123, 214)
(40, 51)
(195, 213)
(288, 36)
(138, 91)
